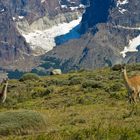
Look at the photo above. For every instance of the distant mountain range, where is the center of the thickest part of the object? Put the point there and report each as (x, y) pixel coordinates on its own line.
(110, 29)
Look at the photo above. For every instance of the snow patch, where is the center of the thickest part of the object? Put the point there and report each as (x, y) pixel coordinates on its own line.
(71, 5)
(126, 27)
(64, 6)
(133, 44)
(82, 6)
(20, 17)
(42, 1)
(46, 39)
(14, 19)
(2, 10)
(122, 11)
(122, 2)
(74, 8)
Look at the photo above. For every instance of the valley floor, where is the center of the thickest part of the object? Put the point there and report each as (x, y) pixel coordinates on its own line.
(83, 105)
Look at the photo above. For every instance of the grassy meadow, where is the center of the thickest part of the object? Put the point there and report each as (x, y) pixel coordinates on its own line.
(80, 105)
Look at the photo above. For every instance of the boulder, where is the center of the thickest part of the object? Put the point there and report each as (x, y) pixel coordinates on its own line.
(56, 72)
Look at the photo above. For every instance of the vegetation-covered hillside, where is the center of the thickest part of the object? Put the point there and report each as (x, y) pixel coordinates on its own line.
(83, 105)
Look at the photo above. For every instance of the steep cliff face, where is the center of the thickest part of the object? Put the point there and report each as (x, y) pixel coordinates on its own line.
(117, 12)
(13, 46)
(126, 13)
(111, 30)
(34, 9)
(97, 12)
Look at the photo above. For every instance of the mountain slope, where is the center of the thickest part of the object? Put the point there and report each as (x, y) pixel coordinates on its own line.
(18, 17)
(109, 27)
(13, 47)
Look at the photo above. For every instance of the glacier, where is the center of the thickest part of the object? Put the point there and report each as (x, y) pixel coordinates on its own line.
(45, 40)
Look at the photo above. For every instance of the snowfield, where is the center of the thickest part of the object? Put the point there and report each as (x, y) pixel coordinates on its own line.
(132, 47)
(46, 39)
(133, 43)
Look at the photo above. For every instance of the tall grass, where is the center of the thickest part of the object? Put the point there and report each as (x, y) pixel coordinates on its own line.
(21, 122)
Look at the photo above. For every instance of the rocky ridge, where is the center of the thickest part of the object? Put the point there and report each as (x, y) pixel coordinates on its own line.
(108, 29)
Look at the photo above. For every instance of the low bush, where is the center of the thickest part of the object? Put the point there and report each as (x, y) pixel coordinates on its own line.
(114, 87)
(92, 84)
(75, 80)
(21, 122)
(41, 91)
(29, 76)
(57, 82)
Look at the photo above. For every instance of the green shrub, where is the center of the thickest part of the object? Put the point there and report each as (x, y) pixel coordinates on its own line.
(41, 91)
(75, 80)
(114, 87)
(21, 122)
(29, 76)
(117, 67)
(92, 84)
(57, 82)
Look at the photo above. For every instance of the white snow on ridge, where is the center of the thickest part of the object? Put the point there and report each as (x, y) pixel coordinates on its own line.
(82, 6)
(122, 2)
(126, 27)
(133, 44)
(72, 5)
(74, 8)
(64, 6)
(20, 17)
(122, 10)
(46, 39)
(13, 18)
(2, 10)
(42, 1)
